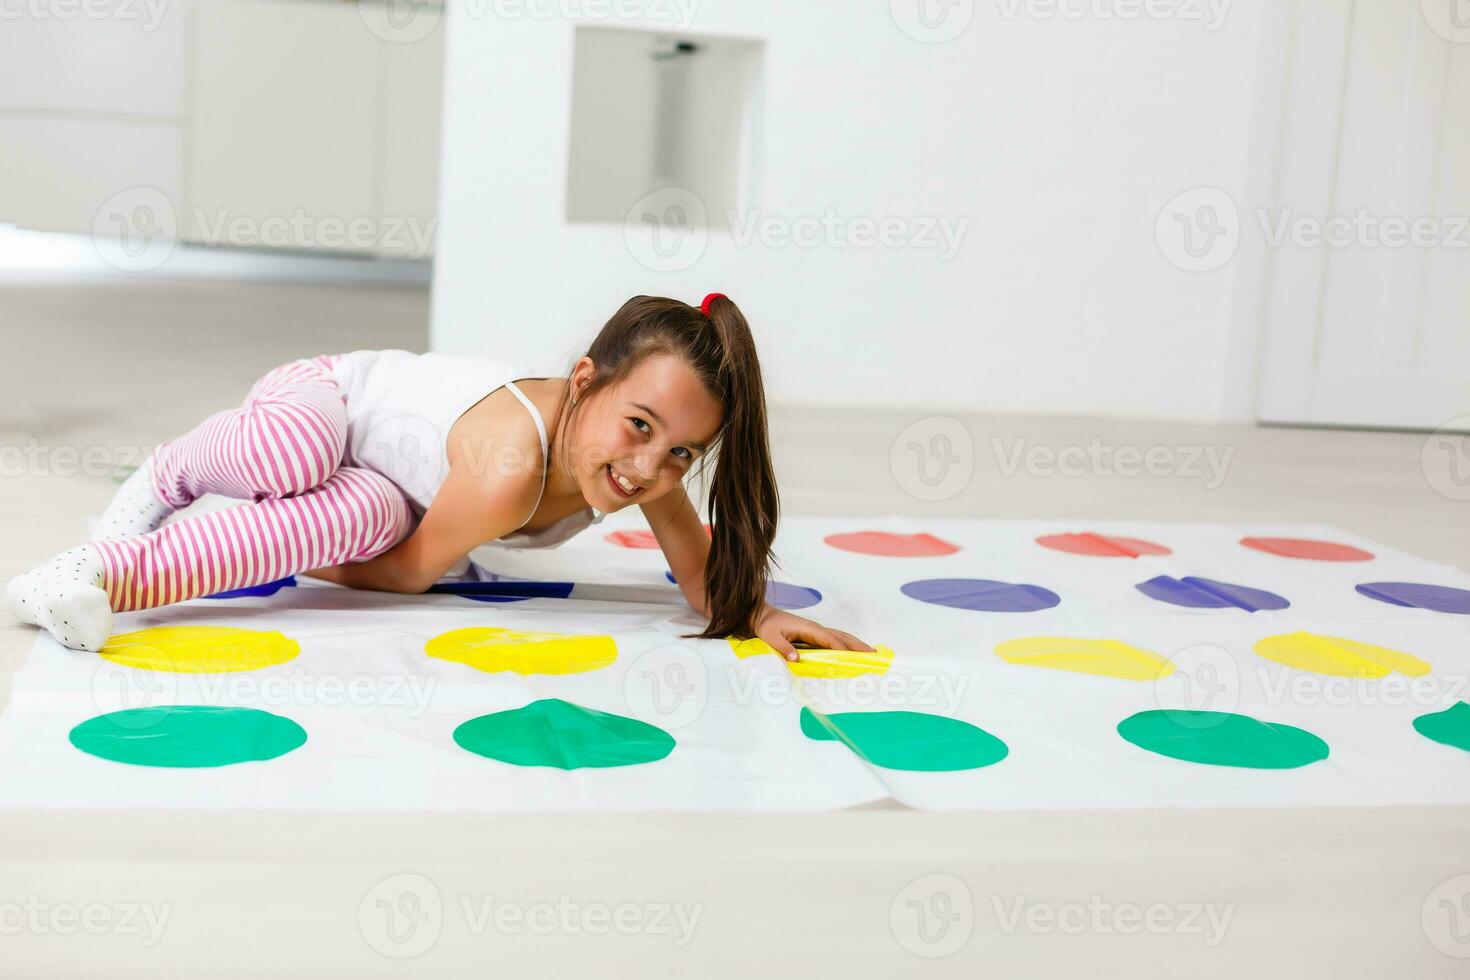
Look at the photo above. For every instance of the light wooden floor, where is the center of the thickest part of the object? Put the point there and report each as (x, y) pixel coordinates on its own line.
(1331, 893)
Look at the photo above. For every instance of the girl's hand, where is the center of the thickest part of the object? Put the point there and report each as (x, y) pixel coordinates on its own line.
(781, 629)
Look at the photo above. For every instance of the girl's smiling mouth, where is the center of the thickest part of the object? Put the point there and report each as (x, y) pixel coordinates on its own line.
(618, 487)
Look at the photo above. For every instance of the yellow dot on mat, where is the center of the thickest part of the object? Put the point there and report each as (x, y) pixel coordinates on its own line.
(1335, 655)
(493, 649)
(825, 664)
(200, 649)
(1106, 658)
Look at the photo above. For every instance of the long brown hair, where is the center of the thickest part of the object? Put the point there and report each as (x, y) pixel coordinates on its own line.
(744, 505)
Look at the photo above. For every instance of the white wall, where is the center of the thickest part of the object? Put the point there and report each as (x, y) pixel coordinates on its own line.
(1060, 140)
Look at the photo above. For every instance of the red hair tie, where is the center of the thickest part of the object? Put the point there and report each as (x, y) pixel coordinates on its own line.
(704, 307)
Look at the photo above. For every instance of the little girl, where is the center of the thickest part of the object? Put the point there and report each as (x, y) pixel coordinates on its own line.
(384, 469)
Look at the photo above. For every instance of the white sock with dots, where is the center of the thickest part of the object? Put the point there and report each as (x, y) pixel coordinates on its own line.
(65, 598)
(135, 508)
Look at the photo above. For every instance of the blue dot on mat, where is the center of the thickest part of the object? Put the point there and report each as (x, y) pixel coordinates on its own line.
(264, 588)
(504, 591)
(1440, 598)
(1205, 593)
(782, 595)
(981, 595)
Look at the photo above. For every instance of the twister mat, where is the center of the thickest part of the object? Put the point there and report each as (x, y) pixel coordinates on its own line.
(1020, 664)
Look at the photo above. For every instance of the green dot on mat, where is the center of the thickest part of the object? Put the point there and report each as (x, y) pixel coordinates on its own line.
(553, 732)
(907, 739)
(1220, 738)
(1448, 727)
(188, 736)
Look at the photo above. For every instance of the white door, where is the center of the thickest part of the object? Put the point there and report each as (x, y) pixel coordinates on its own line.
(1367, 313)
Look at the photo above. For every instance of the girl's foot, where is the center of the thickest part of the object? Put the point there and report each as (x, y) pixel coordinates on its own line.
(135, 508)
(65, 598)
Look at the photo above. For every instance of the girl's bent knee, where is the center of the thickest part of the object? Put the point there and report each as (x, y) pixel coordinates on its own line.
(295, 443)
(389, 515)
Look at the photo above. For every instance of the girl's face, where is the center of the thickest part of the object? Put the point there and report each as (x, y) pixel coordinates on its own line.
(637, 440)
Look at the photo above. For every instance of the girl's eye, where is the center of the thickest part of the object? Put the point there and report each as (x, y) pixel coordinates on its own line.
(677, 450)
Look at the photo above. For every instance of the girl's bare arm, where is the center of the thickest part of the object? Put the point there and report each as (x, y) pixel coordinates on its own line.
(467, 512)
(685, 544)
(676, 526)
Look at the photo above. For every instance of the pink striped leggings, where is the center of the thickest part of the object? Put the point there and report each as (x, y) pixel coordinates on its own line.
(282, 450)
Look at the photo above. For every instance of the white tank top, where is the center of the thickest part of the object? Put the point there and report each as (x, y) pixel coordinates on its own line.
(400, 407)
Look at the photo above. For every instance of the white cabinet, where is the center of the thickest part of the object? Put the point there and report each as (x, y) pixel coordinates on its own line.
(1364, 325)
(57, 171)
(265, 123)
(88, 108)
(129, 64)
(284, 121)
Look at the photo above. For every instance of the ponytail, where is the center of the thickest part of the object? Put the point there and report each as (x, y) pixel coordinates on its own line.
(744, 504)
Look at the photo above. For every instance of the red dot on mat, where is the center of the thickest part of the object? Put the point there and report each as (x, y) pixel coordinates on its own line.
(892, 545)
(1306, 548)
(637, 539)
(1101, 545)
